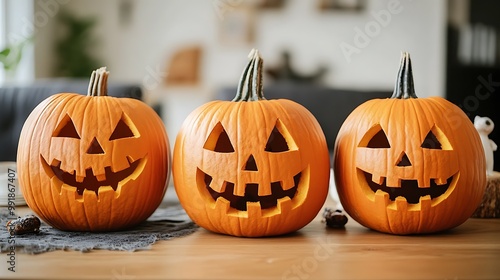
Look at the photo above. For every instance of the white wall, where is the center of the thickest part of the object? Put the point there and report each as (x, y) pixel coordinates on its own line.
(158, 28)
(418, 27)
(139, 51)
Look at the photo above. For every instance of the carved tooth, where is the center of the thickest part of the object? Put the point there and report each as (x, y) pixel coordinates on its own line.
(69, 191)
(424, 183)
(377, 179)
(103, 189)
(78, 197)
(440, 181)
(393, 182)
(239, 189)
(401, 203)
(138, 169)
(382, 198)
(254, 210)
(217, 185)
(88, 195)
(67, 188)
(79, 179)
(120, 185)
(56, 183)
(129, 161)
(99, 172)
(55, 162)
(65, 168)
(222, 203)
(262, 190)
(285, 204)
(287, 183)
(101, 177)
(425, 202)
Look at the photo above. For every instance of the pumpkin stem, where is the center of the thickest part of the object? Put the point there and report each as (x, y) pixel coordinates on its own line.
(250, 87)
(98, 85)
(404, 88)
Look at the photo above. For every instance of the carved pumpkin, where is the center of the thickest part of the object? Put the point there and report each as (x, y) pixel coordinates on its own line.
(408, 165)
(95, 162)
(251, 167)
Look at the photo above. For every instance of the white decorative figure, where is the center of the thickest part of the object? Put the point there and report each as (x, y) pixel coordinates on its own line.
(484, 126)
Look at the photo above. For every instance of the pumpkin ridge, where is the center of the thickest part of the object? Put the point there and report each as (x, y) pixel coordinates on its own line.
(477, 170)
(90, 222)
(83, 121)
(153, 130)
(55, 106)
(287, 107)
(389, 115)
(33, 122)
(107, 102)
(417, 111)
(65, 102)
(424, 105)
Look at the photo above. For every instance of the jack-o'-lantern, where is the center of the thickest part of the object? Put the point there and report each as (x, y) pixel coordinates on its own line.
(95, 162)
(251, 167)
(408, 165)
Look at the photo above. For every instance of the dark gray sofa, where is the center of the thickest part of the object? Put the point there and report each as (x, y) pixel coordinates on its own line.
(330, 106)
(17, 101)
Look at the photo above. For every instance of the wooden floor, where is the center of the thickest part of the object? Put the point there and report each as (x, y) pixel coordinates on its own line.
(471, 251)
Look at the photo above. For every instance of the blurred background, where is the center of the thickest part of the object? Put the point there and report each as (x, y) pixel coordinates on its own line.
(185, 52)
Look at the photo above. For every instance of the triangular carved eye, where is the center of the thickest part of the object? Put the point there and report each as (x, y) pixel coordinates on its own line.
(124, 129)
(66, 128)
(375, 138)
(436, 140)
(379, 141)
(218, 140)
(280, 139)
(431, 142)
(276, 142)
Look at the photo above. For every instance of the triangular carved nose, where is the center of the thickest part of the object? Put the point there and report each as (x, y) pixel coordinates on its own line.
(404, 161)
(251, 165)
(95, 148)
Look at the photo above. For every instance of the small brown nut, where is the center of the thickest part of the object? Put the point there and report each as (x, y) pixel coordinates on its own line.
(334, 219)
(26, 224)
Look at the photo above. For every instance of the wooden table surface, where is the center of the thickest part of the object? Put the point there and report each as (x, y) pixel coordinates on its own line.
(470, 251)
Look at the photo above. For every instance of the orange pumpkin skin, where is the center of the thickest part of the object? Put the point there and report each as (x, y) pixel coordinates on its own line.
(69, 181)
(289, 184)
(409, 183)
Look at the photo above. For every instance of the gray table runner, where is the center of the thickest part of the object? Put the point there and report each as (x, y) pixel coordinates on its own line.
(167, 222)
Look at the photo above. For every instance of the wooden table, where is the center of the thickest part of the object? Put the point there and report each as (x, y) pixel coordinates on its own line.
(470, 251)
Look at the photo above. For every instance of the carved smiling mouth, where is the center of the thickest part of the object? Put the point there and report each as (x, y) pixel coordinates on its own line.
(278, 194)
(92, 182)
(409, 189)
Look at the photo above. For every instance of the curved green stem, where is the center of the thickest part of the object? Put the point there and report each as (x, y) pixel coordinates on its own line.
(250, 86)
(404, 88)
